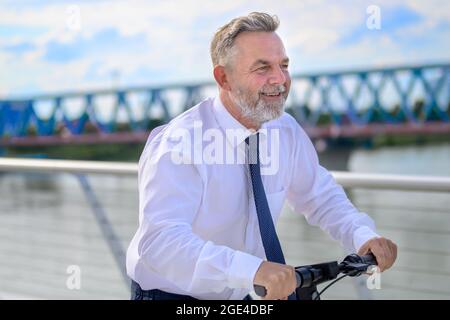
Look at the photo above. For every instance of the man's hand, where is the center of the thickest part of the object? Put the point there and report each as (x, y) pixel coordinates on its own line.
(278, 279)
(384, 250)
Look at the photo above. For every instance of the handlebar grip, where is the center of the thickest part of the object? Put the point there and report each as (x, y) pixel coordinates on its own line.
(369, 259)
(260, 290)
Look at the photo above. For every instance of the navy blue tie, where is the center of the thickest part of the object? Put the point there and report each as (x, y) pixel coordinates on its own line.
(269, 237)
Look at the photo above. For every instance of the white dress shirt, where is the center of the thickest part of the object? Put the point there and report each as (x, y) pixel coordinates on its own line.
(198, 229)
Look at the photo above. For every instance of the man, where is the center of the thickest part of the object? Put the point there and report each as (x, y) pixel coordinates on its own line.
(204, 230)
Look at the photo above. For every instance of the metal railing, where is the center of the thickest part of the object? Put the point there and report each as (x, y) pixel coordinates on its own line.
(81, 168)
(346, 179)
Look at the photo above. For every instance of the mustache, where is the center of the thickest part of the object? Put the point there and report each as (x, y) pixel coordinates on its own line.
(273, 89)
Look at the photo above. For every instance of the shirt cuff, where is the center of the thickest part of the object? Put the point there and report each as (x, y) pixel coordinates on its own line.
(242, 270)
(362, 235)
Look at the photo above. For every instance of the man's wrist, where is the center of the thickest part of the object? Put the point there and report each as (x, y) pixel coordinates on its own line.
(362, 235)
(243, 269)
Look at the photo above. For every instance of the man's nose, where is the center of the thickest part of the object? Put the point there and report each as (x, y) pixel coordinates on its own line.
(277, 76)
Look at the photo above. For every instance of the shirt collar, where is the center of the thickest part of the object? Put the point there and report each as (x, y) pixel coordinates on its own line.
(235, 132)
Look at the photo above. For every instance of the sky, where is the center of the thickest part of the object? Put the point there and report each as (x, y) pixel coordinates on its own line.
(60, 46)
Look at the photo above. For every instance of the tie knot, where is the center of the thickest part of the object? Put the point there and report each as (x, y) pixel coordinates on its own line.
(252, 139)
(252, 142)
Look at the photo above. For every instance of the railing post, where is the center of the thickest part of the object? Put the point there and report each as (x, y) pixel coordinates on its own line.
(105, 225)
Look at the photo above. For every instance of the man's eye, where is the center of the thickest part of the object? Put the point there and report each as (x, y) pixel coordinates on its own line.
(285, 66)
(264, 68)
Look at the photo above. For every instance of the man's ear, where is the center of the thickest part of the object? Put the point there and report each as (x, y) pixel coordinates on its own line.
(221, 77)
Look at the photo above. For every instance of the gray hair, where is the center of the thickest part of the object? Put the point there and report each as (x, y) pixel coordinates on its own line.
(223, 41)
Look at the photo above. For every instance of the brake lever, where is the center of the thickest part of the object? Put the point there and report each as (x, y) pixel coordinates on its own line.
(353, 269)
(354, 265)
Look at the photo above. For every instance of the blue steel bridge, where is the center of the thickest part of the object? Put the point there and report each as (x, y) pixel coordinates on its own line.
(352, 103)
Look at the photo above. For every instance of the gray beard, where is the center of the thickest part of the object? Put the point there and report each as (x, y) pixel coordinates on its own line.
(258, 111)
